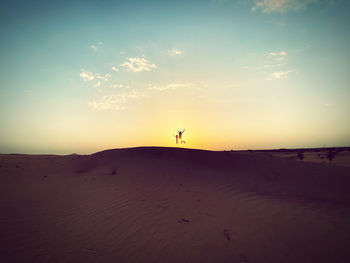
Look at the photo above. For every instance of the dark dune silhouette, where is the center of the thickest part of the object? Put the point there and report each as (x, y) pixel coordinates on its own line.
(154, 204)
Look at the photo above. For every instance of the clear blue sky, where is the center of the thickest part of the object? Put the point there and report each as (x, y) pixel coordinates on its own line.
(82, 76)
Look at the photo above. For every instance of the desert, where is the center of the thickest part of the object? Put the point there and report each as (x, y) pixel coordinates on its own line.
(158, 204)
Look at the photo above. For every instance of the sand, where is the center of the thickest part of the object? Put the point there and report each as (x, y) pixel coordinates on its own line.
(172, 205)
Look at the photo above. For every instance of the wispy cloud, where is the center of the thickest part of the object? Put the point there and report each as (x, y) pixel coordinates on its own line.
(115, 69)
(116, 101)
(278, 56)
(118, 86)
(270, 60)
(170, 86)
(273, 65)
(104, 77)
(279, 74)
(280, 6)
(86, 75)
(93, 47)
(94, 78)
(175, 52)
(138, 65)
(96, 47)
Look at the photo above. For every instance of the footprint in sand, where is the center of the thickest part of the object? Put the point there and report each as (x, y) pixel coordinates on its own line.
(183, 220)
(227, 234)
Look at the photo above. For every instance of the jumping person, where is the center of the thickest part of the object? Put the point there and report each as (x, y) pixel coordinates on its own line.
(180, 136)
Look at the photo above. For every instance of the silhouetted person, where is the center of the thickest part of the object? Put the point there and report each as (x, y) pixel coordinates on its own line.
(180, 136)
(177, 139)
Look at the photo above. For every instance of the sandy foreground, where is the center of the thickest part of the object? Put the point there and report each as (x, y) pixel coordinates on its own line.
(172, 205)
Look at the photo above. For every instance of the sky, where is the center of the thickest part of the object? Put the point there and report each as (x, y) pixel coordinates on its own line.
(84, 76)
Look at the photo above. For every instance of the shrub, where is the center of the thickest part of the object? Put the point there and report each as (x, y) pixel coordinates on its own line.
(300, 156)
(331, 155)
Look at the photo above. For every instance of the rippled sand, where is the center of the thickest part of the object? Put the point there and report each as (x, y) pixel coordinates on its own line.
(172, 205)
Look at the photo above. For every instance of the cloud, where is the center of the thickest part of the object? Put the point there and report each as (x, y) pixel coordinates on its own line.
(108, 102)
(171, 86)
(274, 60)
(138, 65)
(86, 75)
(273, 65)
(269, 60)
(96, 47)
(280, 6)
(278, 56)
(115, 69)
(279, 74)
(117, 86)
(89, 76)
(115, 101)
(104, 77)
(175, 52)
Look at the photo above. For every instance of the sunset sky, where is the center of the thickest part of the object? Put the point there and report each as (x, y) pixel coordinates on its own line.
(84, 76)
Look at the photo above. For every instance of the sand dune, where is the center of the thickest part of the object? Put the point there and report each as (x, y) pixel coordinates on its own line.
(172, 205)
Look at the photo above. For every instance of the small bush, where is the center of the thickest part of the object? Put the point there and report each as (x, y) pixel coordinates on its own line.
(331, 155)
(300, 156)
(114, 171)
